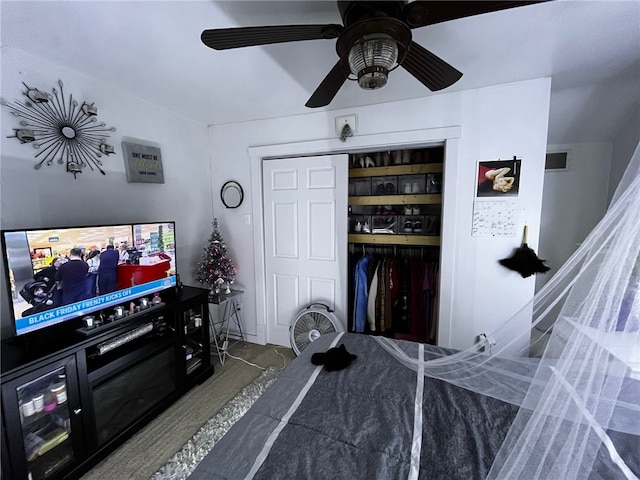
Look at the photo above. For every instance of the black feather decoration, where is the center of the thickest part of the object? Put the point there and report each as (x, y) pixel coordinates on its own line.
(333, 359)
(524, 260)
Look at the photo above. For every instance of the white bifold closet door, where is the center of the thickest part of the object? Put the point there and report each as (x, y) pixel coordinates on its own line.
(305, 222)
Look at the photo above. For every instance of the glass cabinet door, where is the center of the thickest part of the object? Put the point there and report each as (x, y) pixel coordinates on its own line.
(44, 422)
(196, 344)
(5, 463)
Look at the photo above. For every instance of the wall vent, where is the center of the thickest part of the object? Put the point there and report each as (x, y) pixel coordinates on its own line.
(556, 161)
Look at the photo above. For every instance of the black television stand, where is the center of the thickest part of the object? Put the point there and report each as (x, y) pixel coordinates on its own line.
(70, 398)
(108, 325)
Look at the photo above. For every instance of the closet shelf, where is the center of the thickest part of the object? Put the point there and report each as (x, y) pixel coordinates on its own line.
(394, 239)
(396, 170)
(396, 199)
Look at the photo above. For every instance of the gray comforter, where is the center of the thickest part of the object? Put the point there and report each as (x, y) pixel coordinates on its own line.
(358, 423)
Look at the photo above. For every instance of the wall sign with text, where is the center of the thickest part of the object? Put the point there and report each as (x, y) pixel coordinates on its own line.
(143, 163)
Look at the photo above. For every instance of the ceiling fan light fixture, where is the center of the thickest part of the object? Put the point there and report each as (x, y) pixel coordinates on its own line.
(372, 58)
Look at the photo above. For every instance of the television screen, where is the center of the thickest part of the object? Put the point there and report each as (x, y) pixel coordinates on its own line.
(59, 274)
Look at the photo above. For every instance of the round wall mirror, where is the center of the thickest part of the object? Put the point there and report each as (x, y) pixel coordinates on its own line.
(232, 194)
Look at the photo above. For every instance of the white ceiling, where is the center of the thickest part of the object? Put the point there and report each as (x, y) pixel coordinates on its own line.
(152, 49)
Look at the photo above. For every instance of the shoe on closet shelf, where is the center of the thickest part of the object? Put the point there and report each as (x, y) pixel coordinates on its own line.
(358, 227)
(429, 224)
(415, 188)
(415, 210)
(406, 189)
(432, 225)
(434, 183)
(368, 162)
(408, 210)
(417, 226)
(408, 226)
(389, 188)
(380, 189)
(388, 210)
(384, 225)
(366, 228)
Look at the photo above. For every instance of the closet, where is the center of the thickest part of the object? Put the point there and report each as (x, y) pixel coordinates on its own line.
(395, 212)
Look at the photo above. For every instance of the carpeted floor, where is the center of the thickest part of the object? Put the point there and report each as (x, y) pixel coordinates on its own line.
(151, 448)
(187, 459)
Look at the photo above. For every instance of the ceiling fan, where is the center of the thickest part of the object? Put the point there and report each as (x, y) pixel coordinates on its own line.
(375, 39)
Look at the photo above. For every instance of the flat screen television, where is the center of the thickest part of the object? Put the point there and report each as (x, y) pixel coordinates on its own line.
(43, 295)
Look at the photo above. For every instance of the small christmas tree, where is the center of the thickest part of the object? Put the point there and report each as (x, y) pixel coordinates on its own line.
(215, 267)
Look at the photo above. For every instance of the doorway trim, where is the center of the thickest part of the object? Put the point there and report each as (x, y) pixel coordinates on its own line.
(411, 139)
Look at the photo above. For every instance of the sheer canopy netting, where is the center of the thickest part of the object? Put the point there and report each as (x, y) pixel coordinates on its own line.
(583, 393)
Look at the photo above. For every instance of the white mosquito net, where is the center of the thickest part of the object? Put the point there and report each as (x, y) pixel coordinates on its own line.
(577, 381)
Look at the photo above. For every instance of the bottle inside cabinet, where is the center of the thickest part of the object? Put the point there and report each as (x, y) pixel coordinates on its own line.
(46, 424)
(194, 348)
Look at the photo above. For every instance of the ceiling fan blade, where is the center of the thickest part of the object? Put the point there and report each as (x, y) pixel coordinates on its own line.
(225, 38)
(421, 13)
(329, 87)
(429, 69)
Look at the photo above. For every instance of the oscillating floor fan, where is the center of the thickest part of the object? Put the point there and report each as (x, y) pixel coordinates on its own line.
(310, 324)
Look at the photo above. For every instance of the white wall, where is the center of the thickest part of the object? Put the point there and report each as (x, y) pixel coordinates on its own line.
(624, 145)
(499, 122)
(51, 197)
(574, 201)
(496, 123)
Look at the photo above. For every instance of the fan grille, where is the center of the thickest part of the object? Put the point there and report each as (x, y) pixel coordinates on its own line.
(308, 327)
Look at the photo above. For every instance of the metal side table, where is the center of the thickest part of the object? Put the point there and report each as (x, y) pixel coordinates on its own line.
(219, 329)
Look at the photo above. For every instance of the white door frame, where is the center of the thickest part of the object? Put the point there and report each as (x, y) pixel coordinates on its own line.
(362, 143)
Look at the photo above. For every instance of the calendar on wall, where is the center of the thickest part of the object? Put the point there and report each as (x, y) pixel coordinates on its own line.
(494, 219)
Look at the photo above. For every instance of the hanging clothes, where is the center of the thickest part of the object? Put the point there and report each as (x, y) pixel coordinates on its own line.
(373, 295)
(434, 278)
(392, 292)
(418, 325)
(394, 295)
(401, 313)
(361, 294)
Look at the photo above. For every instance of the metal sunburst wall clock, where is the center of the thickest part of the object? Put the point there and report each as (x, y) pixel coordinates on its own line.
(62, 130)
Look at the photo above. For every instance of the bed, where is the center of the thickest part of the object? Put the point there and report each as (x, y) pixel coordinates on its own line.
(359, 423)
